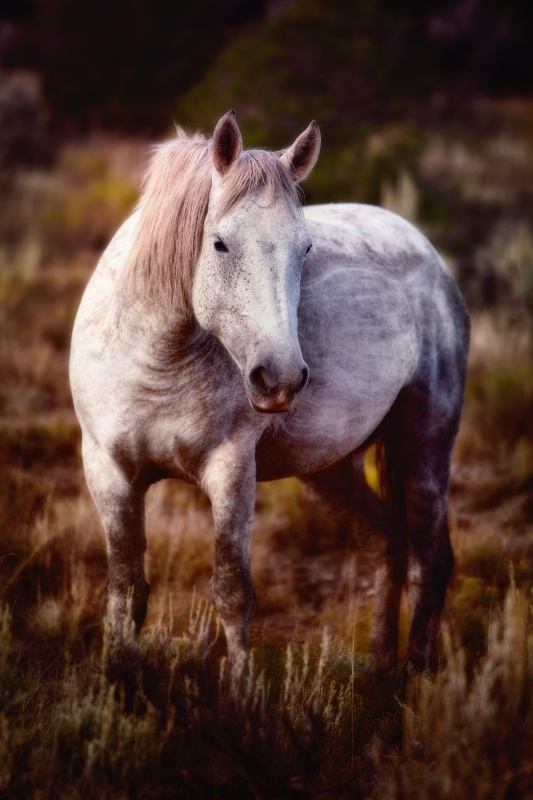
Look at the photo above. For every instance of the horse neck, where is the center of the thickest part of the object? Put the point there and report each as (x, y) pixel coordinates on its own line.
(162, 333)
(177, 339)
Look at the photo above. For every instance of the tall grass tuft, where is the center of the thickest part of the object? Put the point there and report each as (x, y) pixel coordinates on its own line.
(470, 736)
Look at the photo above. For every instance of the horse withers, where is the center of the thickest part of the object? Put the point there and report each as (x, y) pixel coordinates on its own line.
(229, 336)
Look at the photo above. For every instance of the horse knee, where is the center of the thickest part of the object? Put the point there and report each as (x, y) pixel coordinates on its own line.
(432, 551)
(427, 594)
(233, 596)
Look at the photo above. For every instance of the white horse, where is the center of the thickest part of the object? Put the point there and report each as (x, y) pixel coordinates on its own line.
(227, 338)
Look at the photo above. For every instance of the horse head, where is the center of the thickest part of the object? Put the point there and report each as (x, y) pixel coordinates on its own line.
(246, 286)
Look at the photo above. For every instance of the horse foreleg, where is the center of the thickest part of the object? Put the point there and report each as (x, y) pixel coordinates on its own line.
(229, 480)
(121, 509)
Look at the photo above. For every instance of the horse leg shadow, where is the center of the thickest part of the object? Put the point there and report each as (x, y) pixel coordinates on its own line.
(406, 525)
(343, 489)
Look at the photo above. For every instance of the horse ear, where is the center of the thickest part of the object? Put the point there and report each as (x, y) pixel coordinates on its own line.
(302, 156)
(227, 142)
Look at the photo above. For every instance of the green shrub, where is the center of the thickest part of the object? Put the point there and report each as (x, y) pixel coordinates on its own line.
(500, 399)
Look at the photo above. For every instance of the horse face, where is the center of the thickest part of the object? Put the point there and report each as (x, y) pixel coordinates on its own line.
(246, 288)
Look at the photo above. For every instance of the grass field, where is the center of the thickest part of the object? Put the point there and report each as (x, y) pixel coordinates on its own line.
(306, 722)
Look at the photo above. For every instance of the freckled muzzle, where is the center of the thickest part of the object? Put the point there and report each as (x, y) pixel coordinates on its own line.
(271, 390)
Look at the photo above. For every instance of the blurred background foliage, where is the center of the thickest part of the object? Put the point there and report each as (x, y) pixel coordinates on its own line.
(425, 109)
(383, 78)
(132, 65)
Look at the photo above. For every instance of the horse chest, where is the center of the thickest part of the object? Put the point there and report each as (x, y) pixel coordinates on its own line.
(175, 417)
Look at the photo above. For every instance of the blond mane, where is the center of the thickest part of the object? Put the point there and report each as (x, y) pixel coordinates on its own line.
(173, 207)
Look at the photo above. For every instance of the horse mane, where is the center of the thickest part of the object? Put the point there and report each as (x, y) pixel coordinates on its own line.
(172, 210)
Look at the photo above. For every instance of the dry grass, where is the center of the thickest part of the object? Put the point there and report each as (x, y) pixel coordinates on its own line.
(305, 721)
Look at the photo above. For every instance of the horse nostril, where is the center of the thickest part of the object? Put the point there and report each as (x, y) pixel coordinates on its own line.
(303, 381)
(266, 381)
(262, 380)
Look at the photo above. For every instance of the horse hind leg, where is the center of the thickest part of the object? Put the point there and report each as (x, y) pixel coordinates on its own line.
(345, 492)
(419, 435)
(121, 509)
(388, 534)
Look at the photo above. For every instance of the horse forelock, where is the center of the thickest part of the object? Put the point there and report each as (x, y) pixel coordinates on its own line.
(257, 170)
(172, 209)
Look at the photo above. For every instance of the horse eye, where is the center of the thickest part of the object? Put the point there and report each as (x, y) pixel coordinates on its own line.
(308, 249)
(220, 246)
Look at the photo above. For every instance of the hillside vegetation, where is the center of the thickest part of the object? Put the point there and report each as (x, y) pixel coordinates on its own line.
(349, 64)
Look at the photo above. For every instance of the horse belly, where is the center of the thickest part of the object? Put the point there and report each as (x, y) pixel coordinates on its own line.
(336, 414)
(322, 429)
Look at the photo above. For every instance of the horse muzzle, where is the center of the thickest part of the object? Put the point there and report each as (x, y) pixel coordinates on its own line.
(271, 393)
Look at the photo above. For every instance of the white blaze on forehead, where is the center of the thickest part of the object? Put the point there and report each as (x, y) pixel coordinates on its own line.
(254, 274)
(246, 292)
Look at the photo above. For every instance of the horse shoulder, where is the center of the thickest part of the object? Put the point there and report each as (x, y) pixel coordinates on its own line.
(100, 291)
